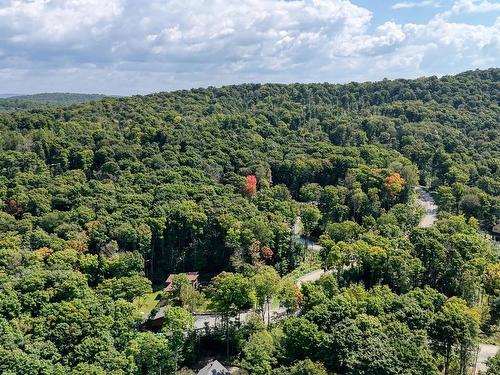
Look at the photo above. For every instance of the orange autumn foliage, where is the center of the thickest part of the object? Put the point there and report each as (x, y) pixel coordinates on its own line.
(250, 188)
(394, 184)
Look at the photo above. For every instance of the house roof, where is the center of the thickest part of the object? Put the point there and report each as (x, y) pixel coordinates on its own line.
(213, 368)
(192, 276)
(159, 314)
(496, 228)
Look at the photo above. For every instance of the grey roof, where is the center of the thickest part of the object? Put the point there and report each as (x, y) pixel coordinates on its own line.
(213, 368)
(160, 313)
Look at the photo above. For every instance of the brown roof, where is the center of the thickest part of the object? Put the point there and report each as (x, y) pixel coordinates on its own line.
(192, 276)
(496, 228)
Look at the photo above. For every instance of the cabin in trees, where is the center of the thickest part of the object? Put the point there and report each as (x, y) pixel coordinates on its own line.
(495, 232)
(192, 276)
(155, 322)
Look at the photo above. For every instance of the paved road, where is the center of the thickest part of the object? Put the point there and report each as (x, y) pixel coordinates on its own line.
(485, 353)
(310, 245)
(297, 226)
(297, 232)
(311, 276)
(427, 202)
(201, 321)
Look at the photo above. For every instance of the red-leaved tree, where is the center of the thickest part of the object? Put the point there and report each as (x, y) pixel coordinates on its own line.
(266, 252)
(250, 188)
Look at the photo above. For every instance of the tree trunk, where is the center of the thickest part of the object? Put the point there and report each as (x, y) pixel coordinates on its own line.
(447, 360)
(464, 358)
(227, 336)
(268, 312)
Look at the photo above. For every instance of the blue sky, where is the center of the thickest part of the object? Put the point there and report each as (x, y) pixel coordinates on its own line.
(137, 47)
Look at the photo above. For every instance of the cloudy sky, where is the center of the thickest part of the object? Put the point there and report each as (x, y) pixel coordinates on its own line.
(142, 46)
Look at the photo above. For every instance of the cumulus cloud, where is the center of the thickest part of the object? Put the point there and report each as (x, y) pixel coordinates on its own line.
(123, 46)
(416, 4)
(54, 20)
(475, 6)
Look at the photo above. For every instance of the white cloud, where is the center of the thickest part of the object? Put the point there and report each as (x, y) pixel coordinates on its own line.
(56, 19)
(474, 6)
(388, 35)
(416, 4)
(467, 7)
(124, 46)
(462, 36)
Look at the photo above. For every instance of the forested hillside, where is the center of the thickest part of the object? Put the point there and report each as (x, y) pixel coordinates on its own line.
(27, 102)
(101, 201)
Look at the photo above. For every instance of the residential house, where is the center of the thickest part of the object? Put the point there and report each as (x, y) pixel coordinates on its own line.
(192, 276)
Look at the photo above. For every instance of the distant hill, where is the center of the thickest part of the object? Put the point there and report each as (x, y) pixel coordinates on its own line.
(26, 102)
(3, 96)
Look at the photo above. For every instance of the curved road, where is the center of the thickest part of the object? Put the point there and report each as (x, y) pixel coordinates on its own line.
(297, 231)
(425, 200)
(202, 320)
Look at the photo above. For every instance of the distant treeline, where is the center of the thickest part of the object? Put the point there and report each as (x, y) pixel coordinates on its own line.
(27, 102)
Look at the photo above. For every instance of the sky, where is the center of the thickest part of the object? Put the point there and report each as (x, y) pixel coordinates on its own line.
(126, 47)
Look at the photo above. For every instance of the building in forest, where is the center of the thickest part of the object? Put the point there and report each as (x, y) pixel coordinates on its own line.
(495, 232)
(192, 276)
(214, 368)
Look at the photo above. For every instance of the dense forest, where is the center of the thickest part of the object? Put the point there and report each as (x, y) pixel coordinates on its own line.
(101, 201)
(26, 102)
